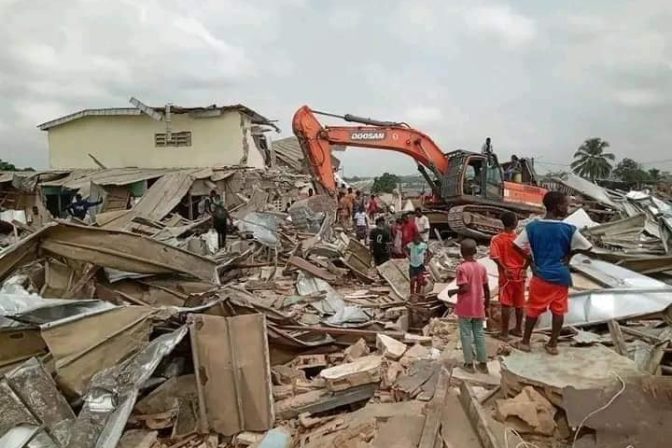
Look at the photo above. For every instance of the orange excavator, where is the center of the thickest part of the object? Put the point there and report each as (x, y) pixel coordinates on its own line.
(469, 193)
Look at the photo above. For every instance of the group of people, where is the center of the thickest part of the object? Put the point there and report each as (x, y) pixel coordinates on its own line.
(355, 208)
(546, 246)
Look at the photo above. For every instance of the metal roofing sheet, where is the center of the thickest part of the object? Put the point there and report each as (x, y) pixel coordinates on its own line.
(114, 176)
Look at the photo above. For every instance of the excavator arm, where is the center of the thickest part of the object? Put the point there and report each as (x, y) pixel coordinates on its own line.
(317, 140)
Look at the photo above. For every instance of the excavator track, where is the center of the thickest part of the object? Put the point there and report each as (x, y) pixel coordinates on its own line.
(475, 221)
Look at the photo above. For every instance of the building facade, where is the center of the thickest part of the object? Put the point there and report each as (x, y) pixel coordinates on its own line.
(166, 137)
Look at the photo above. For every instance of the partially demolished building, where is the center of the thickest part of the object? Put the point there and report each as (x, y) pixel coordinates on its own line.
(133, 329)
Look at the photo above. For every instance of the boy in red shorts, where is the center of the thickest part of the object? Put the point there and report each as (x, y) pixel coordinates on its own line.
(512, 266)
(551, 243)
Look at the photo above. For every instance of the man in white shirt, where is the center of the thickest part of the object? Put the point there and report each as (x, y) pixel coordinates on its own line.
(422, 223)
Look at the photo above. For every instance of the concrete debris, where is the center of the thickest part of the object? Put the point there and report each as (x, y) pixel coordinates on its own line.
(389, 347)
(528, 412)
(132, 327)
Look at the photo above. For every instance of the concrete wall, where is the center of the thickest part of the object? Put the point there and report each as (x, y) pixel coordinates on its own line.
(128, 141)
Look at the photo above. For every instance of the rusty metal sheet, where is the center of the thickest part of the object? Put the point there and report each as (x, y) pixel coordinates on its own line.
(124, 251)
(231, 360)
(38, 392)
(110, 337)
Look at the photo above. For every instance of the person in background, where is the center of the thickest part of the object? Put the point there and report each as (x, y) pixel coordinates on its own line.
(397, 238)
(418, 255)
(311, 193)
(422, 224)
(343, 210)
(512, 267)
(548, 244)
(379, 242)
(473, 301)
(359, 202)
(408, 230)
(372, 207)
(220, 217)
(350, 198)
(487, 147)
(343, 189)
(80, 207)
(361, 224)
(512, 169)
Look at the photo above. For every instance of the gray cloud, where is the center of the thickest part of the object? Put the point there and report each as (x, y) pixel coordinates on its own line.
(536, 78)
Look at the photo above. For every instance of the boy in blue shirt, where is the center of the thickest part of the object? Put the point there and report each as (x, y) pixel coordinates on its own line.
(551, 243)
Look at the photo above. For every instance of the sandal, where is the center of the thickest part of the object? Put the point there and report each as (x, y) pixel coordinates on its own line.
(516, 333)
(502, 337)
(551, 349)
(522, 347)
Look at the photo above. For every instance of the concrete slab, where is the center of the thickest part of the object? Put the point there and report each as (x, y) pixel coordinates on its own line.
(580, 367)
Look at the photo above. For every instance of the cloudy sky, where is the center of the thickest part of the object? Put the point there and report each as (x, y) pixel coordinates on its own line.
(538, 77)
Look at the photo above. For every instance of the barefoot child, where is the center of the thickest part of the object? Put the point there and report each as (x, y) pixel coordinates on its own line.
(512, 267)
(551, 243)
(418, 255)
(473, 299)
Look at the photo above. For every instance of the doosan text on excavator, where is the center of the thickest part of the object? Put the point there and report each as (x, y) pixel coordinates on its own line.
(469, 192)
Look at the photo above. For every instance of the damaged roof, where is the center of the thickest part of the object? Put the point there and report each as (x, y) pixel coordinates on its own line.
(288, 151)
(207, 111)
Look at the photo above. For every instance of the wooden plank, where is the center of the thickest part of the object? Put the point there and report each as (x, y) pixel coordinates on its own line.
(617, 338)
(313, 270)
(477, 416)
(433, 420)
(344, 331)
(328, 402)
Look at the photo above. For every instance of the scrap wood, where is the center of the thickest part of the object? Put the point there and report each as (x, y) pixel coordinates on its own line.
(231, 362)
(617, 337)
(311, 269)
(430, 430)
(399, 335)
(477, 417)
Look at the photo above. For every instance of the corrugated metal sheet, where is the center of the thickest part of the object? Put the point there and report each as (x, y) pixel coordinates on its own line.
(115, 176)
(289, 152)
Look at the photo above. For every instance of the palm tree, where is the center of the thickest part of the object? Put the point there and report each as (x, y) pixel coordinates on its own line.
(590, 160)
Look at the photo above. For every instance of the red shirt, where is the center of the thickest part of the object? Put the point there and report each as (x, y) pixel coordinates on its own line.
(408, 232)
(501, 249)
(470, 304)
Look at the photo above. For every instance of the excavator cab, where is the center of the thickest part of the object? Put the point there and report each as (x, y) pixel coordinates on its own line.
(471, 175)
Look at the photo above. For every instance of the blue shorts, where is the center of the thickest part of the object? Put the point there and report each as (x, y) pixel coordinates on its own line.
(416, 271)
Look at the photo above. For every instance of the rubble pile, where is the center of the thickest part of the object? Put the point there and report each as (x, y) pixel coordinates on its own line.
(133, 329)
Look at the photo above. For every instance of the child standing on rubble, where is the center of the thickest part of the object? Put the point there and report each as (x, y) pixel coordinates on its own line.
(473, 301)
(512, 267)
(418, 256)
(551, 243)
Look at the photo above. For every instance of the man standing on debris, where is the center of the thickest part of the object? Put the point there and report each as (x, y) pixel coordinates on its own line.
(422, 224)
(344, 210)
(551, 243)
(372, 207)
(408, 230)
(418, 255)
(397, 238)
(80, 207)
(350, 202)
(473, 301)
(220, 217)
(379, 242)
(512, 267)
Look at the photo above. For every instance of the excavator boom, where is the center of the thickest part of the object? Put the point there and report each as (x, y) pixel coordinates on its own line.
(317, 140)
